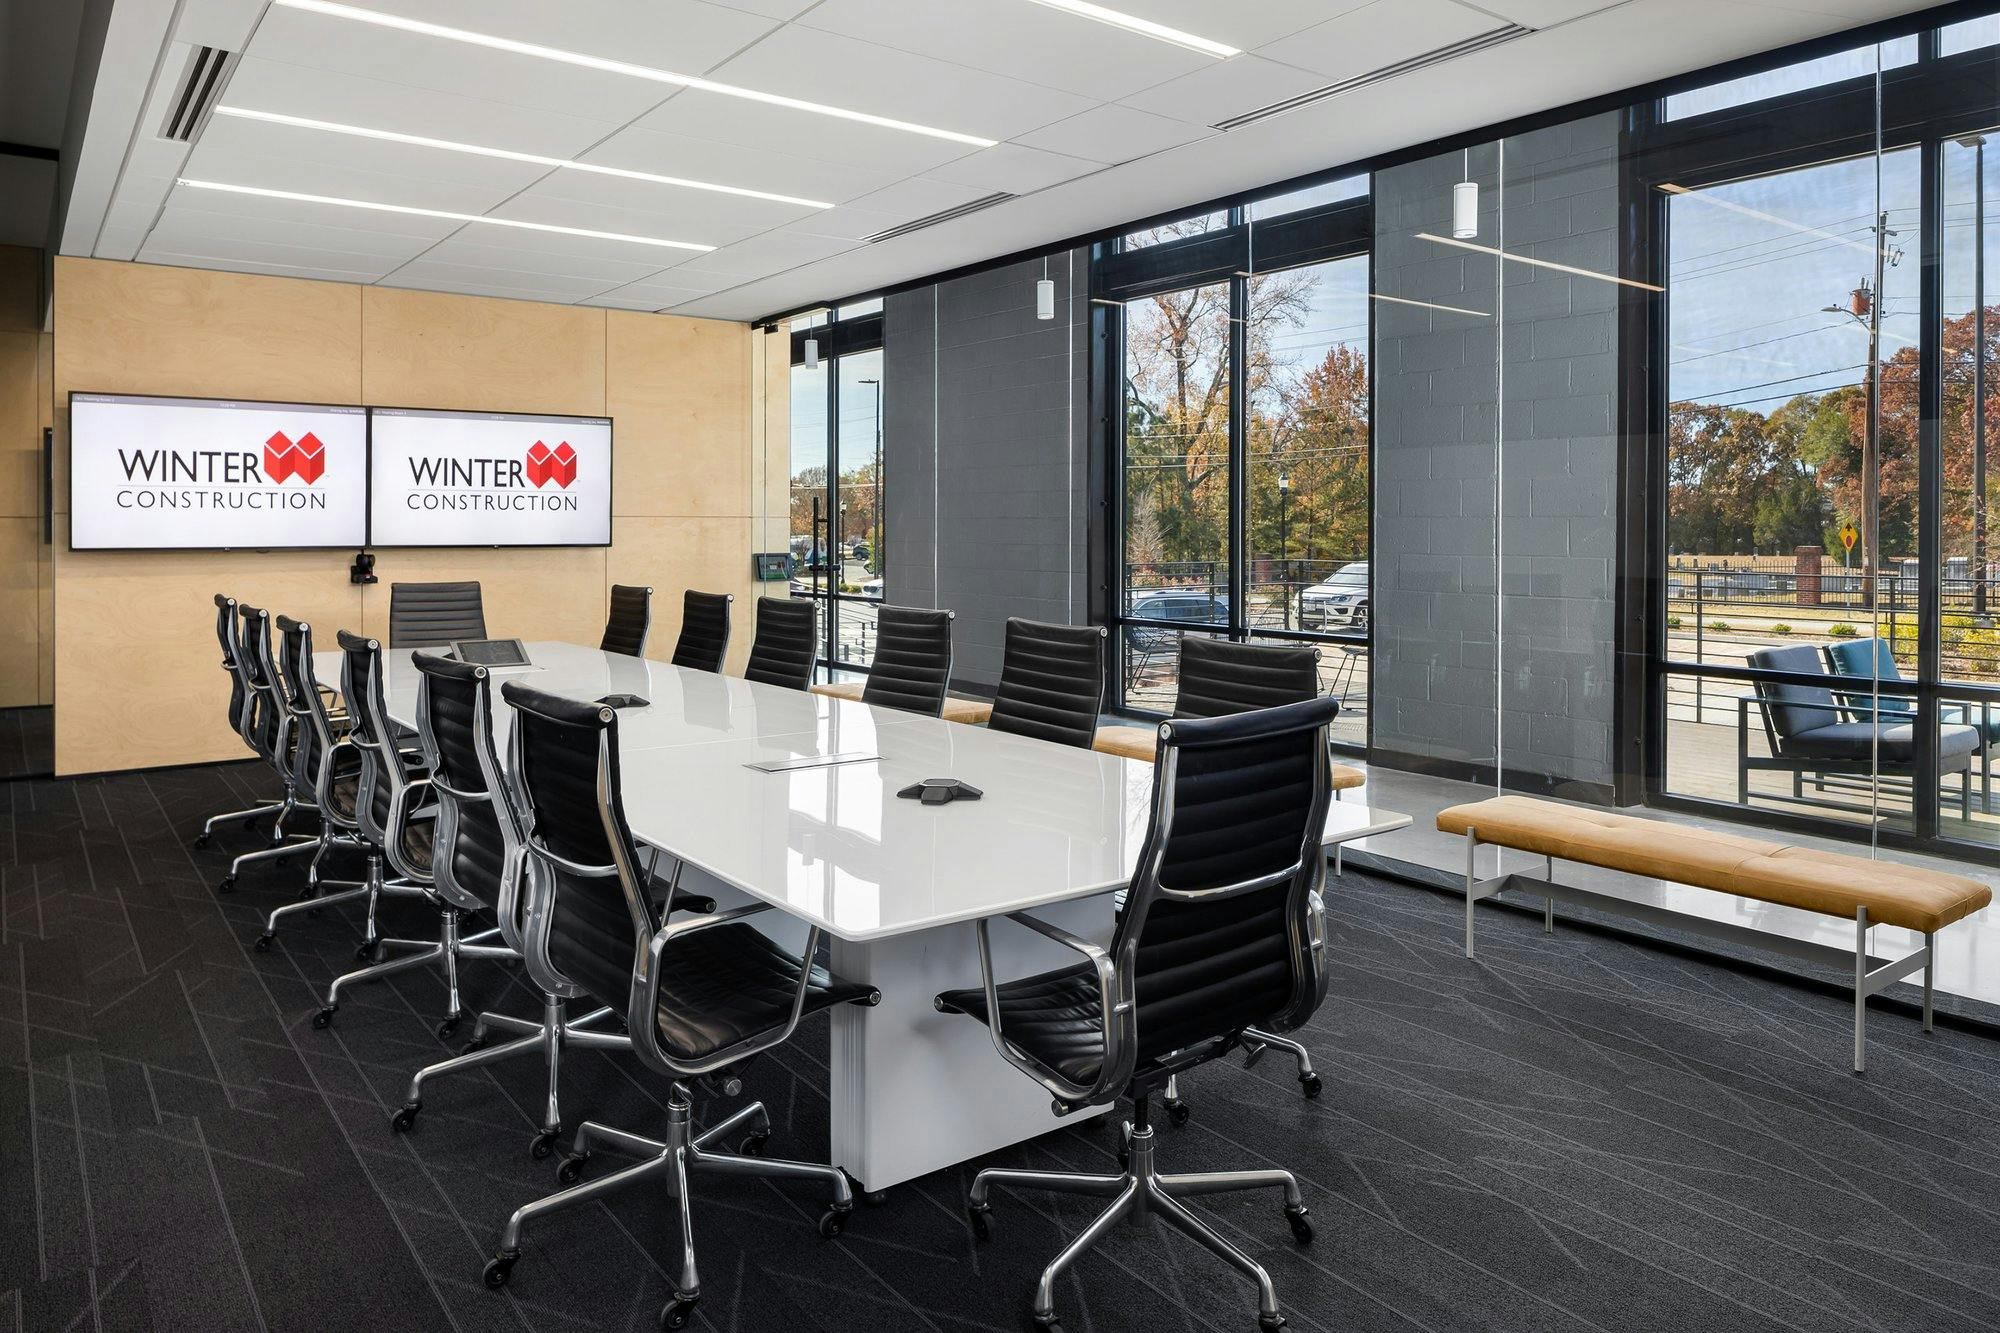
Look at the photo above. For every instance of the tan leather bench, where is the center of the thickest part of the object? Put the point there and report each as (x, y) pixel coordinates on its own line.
(1852, 888)
(972, 711)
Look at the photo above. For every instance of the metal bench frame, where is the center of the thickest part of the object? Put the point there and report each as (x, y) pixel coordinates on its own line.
(1870, 975)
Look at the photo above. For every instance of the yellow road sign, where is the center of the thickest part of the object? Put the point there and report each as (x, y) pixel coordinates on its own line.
(1848, 536)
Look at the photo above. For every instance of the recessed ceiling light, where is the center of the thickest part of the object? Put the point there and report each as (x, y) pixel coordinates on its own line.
(1542, 263)
(421, 141)
(438, 213)
(359, 15)
(1144, 27)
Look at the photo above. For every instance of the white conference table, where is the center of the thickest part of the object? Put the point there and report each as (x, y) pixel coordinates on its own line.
(893, 882)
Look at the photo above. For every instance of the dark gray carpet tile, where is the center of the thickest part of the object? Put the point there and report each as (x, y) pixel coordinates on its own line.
(1571, 1134)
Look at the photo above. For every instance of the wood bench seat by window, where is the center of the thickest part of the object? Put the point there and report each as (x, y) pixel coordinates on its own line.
(1852, 888)
(1139, 742)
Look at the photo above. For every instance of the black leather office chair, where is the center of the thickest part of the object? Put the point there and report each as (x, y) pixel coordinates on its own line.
(704, 630)
(1219, 678)
(239, 707)
(267, 726)
(397, 817)
(423, 615)
(328, 770)
(1051, 682)
(787, 642)
(700, 994)
(912, 664)
(479, 863)
(1222, 932)
(631, 617)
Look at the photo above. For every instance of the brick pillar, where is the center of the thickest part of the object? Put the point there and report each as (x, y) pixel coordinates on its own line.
(1808, 558)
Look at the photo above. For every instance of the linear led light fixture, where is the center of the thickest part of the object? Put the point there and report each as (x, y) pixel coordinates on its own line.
(372, 206)
(1429, 305)
(1700, 196)
(480, 150)
(1144, 27)
(418, 26)
(1540, 263)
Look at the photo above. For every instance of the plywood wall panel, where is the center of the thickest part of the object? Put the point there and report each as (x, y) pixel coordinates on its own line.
(135, 666)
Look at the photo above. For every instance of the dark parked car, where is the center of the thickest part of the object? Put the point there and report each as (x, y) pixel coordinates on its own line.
(1194, 606)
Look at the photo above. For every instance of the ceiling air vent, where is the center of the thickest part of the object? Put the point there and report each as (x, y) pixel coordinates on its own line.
(1482, 42)
(197, 93)
(946, 215)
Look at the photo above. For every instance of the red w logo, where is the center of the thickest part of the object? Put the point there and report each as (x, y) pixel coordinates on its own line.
(305, 460)
(556, 465)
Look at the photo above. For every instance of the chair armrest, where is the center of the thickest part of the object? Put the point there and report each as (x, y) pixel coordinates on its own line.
(1115, 1009)
(688, 925)
(641, 1019)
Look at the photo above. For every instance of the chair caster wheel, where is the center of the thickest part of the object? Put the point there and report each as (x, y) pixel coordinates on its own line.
(281, 860)
(753, 1144)
(1311, 1084)
(406, 1116)
(1253, 1052)
(1266, 1321)
(227, 884)
(1048, 1323)
(479, 1042)
(571, 1169)
(678, 1311)
(1302, 1230)
(264, 943)
(543, 1143)
(1178, 1113)
(365, 951)
(833, 1221)
(449, 1026)
(981, 1215)
(324, 1018)
(200, 841)
(498, 1267)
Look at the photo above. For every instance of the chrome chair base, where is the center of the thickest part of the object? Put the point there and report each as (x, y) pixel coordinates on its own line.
(674, 1160)
(447, 949)
(549, 1037)
(1141, 1191)
(249, 816)
(1255, 1041)
(313, 899)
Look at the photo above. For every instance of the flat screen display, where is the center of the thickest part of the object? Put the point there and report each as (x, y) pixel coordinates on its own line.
(162, 474)
(489, 479)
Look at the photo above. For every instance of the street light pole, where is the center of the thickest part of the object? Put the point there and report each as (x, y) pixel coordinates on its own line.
(875, 556)
(1284, 541)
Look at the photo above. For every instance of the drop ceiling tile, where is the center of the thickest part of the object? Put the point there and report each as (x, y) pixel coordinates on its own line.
(470, 280)
(776, 9)
(291, 253)
(861, 76)
(1543, 13)
(275, 172)
(356, 99)
(648, 296)
(850, 223)
(774, 129)
(239, 264)
(918, 197)
(188, 227)
(229, 147)
(299, 211)
(316, 41)
(687, 36)
(539, 253)
(735, 164)
(1376, 35)
(650, 209)
(555, 210)
(1028, 42)
(1244, 26)
(773, 252)
(1228, 88)
(1014, 168)
(1114, 133)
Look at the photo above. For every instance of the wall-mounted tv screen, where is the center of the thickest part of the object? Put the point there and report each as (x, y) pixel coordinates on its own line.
(153, 474)
(489, 479)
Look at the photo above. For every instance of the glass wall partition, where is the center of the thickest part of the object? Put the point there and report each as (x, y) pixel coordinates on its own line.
(837, 489)
(1241, 416)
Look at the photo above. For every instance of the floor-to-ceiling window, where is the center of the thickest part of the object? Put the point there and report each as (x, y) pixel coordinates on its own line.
(1241, 420)
(1824, 560)
(837, 486)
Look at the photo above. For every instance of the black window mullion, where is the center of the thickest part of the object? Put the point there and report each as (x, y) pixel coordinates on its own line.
(1239, 473)
(1930, 479)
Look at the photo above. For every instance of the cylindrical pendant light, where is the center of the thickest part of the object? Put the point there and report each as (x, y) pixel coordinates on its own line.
(1465, 204)
(1045, 293)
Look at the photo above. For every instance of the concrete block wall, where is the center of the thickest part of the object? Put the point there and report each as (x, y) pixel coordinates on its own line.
(1496, 464)
(986, 447)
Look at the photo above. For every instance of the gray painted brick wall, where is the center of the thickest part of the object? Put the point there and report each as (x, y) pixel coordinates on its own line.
(985, 450)
(1496, 465)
